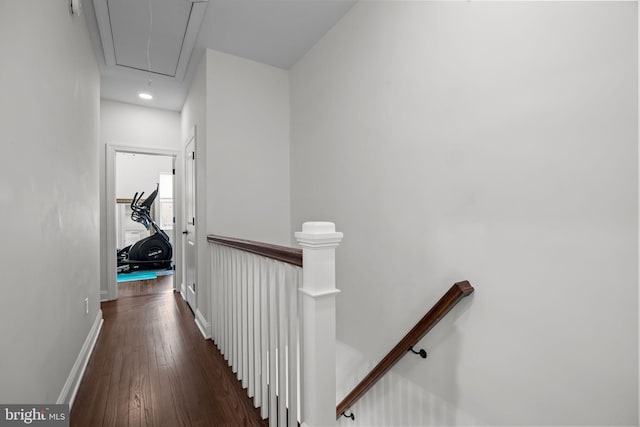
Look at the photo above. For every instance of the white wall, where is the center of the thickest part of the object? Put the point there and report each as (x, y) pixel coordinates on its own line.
(49, 120)
(133, 126)
(243, 154)
(194, 118)
(248, 149)
(137, 126)
(139, 172)
(494, 142)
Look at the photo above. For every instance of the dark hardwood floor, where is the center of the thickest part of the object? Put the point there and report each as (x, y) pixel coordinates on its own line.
(152, 367)
(145, 287)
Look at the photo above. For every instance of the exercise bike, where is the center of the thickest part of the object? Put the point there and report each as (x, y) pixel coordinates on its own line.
(151, 253)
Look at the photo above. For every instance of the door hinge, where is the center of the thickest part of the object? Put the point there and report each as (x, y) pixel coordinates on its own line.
(173, 171)
(193, 155)
(193, 220)
(174, 219)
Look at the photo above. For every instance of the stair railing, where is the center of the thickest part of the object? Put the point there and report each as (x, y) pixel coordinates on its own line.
(438, 311)
(274, 322)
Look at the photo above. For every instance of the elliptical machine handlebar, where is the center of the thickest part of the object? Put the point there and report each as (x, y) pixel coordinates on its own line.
(141, 212)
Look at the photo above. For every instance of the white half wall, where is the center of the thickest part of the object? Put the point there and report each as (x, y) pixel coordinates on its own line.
(494, 142)
(49, 122)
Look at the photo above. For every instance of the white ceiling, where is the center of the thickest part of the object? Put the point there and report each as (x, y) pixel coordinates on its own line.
(274, 32)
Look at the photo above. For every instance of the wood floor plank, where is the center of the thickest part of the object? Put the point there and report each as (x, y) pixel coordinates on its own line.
(152, 367)
(111, 409)
(134, 390)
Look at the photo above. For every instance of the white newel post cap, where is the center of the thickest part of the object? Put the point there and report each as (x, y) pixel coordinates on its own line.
(318, 234)
(319, 241)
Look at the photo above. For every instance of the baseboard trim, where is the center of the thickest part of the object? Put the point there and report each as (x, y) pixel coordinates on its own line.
(203, 325)
(183, 291)
(70, 388)
(104, 296)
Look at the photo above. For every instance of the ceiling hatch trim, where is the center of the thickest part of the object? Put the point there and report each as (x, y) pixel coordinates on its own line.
(154, 36)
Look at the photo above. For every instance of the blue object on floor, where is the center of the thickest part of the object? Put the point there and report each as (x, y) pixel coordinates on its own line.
(164, 273)
(136, 275)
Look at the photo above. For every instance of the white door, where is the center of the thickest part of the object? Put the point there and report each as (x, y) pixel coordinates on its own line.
(190, 223)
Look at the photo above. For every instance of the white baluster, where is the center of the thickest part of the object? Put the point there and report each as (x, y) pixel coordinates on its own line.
(225, 284)
(220, 297)
(282, 344)
(216, 277)
(250, 326)
(220, 267)
(237, 311)
(245, 316)
(292, 356)
(241, 349)
(273, 346)
(214, 291)
(234, 311)
(264, 327)
(257, 360)
(229, 314)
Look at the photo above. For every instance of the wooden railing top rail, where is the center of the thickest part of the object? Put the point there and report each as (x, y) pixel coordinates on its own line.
(277, 252)
(438, 311)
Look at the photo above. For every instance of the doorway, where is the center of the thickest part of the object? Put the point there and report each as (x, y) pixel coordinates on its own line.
(132, 170)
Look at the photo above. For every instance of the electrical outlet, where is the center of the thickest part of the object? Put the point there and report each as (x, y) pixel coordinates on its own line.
(86, 306)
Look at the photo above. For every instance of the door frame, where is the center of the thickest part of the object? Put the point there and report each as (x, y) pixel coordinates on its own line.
(110, 197)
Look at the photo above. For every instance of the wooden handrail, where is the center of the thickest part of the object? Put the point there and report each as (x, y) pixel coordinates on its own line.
(447, 302)
(277, 252)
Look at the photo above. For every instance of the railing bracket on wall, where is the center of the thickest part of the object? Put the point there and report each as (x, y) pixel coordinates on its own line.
(353, 417)
(422, 352)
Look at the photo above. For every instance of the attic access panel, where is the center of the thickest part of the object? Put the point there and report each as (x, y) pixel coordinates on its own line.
(149, 35)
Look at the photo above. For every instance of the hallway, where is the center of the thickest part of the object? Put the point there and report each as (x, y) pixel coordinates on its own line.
(151, 367)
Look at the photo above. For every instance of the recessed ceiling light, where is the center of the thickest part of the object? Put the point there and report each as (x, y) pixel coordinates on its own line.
(145, 96)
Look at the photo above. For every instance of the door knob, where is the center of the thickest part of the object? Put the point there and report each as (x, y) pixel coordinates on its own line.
(185, 232)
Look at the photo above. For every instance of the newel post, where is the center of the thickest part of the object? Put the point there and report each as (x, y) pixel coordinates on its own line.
(318, 350)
